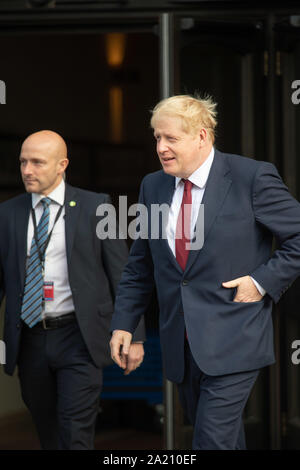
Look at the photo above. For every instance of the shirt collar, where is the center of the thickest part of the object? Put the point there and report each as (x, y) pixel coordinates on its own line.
(57, 195)
(199, 177)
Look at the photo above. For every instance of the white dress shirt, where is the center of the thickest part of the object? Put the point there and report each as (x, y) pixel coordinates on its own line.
(199, 179)
(55, 267)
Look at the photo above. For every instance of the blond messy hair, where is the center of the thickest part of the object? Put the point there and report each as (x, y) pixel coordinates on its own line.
(195, 112)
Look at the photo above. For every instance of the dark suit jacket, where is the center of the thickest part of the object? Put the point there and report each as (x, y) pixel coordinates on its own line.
(245, 204)
(94, 267)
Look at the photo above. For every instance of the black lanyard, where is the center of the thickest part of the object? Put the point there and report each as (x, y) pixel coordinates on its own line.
(42, 255)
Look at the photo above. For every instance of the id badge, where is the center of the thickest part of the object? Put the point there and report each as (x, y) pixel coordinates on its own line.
(48, 288)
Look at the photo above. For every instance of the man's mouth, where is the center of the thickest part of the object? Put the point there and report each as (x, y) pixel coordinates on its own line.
(167, 159)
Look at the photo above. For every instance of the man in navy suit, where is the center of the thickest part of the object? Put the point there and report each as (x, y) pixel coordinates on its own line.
(59, 280)
(215, 301)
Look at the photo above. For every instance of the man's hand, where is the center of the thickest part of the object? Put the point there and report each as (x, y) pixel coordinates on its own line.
(135, 357)
(119, 347)
(128, 356)
(246, 289)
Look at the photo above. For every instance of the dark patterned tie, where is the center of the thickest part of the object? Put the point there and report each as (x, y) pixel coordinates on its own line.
(32, 304)
(183, 229)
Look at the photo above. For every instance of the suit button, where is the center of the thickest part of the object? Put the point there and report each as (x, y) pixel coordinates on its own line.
(18, 325)
(185, 282)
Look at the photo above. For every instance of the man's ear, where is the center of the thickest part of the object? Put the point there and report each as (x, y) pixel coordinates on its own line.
(63, 165)
(202, 136)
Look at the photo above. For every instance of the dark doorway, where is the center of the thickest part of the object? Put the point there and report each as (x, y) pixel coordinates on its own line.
(96, 90)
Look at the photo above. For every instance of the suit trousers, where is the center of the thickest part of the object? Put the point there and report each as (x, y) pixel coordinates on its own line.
(60, 385)
(214, 405)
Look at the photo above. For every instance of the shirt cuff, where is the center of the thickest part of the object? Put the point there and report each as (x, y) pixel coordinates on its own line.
(260, 289)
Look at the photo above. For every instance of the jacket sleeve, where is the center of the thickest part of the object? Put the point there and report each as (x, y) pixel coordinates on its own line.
(114, 256)
(279, 212)
(136, 286)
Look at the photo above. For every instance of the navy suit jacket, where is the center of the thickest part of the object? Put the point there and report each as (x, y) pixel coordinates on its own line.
(94, 268)
(245, 205)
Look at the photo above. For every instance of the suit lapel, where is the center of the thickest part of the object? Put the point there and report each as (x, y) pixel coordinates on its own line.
(72, 209)
(217, 186)
(21, 224)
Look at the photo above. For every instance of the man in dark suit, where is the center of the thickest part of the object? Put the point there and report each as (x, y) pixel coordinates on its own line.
(215, 301)
(59, 280)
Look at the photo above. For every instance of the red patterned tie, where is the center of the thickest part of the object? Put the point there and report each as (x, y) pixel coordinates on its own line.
(183, 226)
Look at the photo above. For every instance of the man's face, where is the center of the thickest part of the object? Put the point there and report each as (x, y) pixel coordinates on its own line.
(41, 169)
(179, 152)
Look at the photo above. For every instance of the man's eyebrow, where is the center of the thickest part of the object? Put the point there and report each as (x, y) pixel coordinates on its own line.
(34, 159)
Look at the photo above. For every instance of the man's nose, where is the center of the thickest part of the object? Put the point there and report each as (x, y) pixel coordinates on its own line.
(27, 169)
(161, 146)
